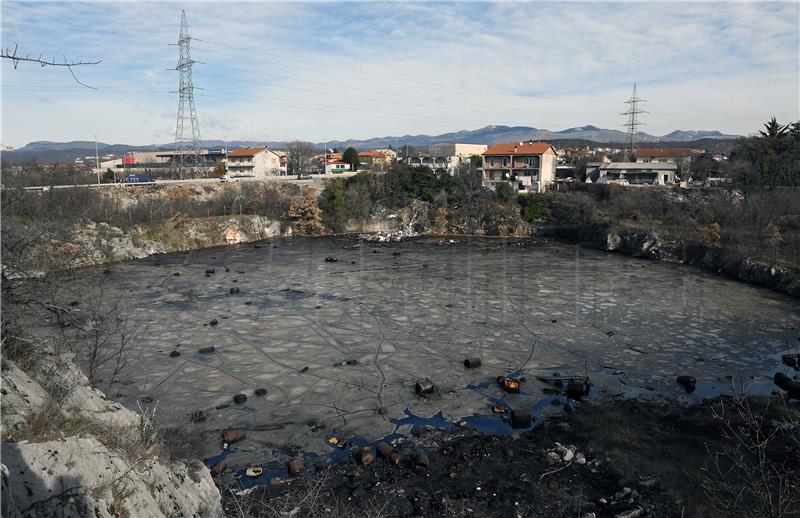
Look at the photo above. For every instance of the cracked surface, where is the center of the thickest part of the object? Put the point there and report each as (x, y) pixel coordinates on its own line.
(416, 310)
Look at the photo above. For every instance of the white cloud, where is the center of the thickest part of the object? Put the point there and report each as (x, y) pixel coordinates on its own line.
(332, 71)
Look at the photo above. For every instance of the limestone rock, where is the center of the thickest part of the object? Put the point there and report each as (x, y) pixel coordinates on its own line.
(79, 476)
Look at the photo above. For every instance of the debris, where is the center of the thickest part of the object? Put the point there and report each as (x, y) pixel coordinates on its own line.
(510, 385)
(339, 442)
(610, 334)
(239, 399)
(206, 350)
(245, 492)
(218, 468)
(331, 259)
(423, 461)
(304, 369)
(791, 360)
(232, 436)
(578, 389)
(295, 466)
(352, 362)
(210, 271)
(174, 354)
(261, 392)
(198, 416)
(520, 418)
(388, 453)
(788, 384)
(362, 456)
(213, 322)
(234, 291)
(498, 409)
(254, 471)
(472, 363)
(425, 386)
(688, 383)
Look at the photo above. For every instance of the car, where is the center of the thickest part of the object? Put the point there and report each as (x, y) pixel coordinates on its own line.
(224, 178)
(304, 176)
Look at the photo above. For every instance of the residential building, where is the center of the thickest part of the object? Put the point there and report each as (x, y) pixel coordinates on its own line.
(258, 162)
(632, 173)
(336, 167)
(376, 159)
(446, 157)
(680, 156)
(527, 166)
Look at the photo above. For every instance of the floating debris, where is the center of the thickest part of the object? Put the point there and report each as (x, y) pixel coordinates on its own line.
(239, 399)
(510, 385)
(472, 363)
(254, 471)
(687, 382)
(425, 386)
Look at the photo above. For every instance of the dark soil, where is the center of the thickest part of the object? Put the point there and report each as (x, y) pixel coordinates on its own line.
(640, 458)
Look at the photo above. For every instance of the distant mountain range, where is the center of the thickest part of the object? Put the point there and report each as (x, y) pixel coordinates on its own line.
(45, 151)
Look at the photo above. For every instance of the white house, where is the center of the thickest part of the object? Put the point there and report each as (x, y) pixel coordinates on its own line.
(446, 157)
(632, 173)
(258, 162)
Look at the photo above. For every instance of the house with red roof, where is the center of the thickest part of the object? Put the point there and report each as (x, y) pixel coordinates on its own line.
(527, 166)
(258, 162)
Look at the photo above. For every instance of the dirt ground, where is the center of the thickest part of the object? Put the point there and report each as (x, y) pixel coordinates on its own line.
(629, 459)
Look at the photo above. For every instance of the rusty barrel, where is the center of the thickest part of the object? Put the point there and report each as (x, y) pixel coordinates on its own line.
(423, 461)
(788, 384)
(388, 453)
(687, 382)
(508, 384)
(295, 466)
(424, 386)
(472, 363)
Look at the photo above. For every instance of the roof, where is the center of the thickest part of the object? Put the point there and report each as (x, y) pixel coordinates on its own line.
(663, 152)
(644, 166)
(371, 153)
(246, 151)
(337, 162)
(522, 148)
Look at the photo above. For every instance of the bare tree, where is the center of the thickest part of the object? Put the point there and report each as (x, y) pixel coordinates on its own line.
(16, 58)
(753, 474)
(300, 156)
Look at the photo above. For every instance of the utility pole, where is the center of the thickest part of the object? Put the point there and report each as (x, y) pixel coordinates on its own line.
(96, 160)
(187, 159)
(632, 140)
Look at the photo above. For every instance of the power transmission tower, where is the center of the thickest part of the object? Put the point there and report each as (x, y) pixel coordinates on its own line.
(188, 159)
(632, 140)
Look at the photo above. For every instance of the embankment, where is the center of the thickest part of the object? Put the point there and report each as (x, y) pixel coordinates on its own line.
(650, 246)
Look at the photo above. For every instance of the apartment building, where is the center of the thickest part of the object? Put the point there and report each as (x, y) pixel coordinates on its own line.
(527, 166)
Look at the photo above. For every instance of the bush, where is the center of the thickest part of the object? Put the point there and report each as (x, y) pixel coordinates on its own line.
(535, 207)
(505, 193)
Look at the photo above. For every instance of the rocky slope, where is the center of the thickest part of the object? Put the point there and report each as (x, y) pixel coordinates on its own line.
(714, 259)
(69, 451)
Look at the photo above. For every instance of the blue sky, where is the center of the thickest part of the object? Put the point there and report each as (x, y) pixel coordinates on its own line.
(334, 70)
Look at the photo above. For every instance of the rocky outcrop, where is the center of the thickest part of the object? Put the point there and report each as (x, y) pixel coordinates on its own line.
(69, 451)
(80, 476)
(101, 243)
(712, 258)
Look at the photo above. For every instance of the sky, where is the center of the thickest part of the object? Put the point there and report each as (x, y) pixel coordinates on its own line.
(331, 71)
